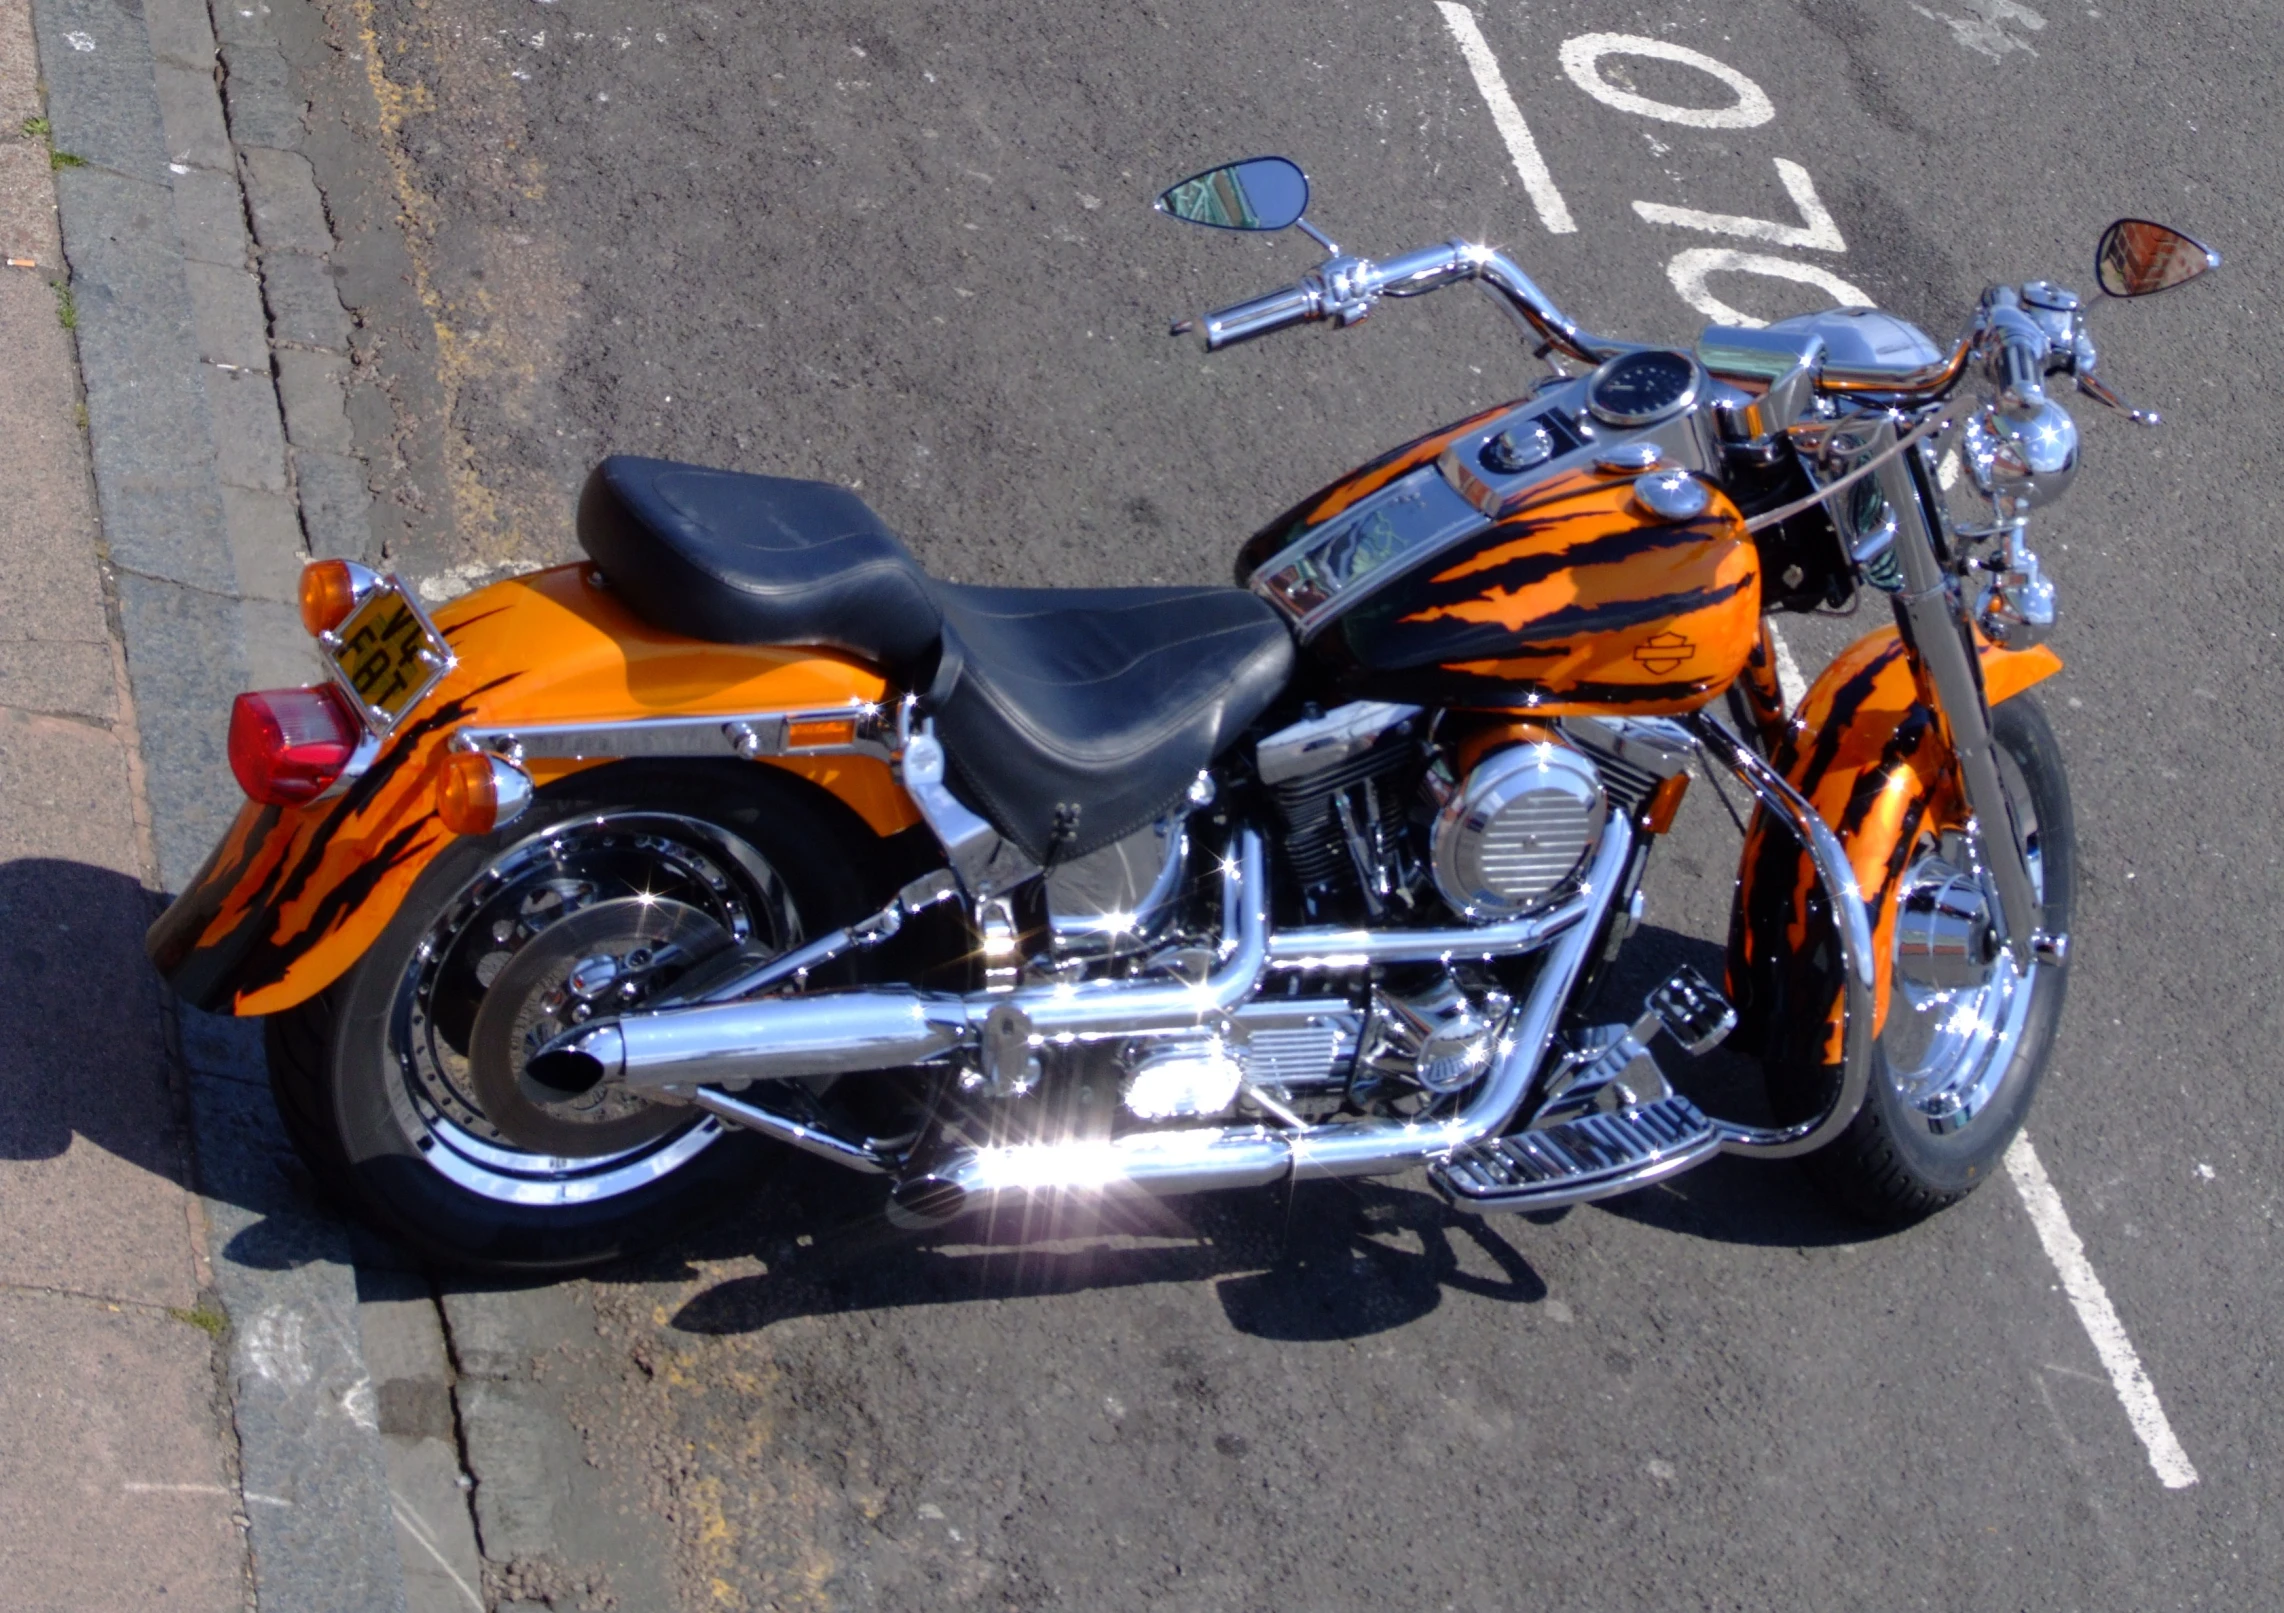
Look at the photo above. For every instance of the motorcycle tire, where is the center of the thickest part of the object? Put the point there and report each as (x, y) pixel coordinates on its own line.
(1949, 1089)
(372, 1077)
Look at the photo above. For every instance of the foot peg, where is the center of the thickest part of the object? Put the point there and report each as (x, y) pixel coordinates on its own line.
(1610, 1067)
(1593, 1157)
(1691, 1011)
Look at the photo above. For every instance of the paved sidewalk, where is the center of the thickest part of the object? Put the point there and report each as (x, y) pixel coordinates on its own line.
(118, 1467)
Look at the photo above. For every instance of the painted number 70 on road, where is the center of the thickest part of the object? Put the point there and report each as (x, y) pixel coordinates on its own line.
(1748, 107)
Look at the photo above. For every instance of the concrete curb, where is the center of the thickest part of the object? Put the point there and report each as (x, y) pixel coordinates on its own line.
(213, 349)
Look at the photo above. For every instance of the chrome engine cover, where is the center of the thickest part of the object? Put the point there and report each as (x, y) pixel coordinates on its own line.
(1517, 831)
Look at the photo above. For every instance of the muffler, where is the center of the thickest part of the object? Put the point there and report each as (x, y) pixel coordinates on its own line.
(888, 1027)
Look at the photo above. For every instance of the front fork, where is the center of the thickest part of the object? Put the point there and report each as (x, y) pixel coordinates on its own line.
(1935, 631)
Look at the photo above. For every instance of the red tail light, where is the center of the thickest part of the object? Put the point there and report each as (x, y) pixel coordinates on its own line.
(287, 746)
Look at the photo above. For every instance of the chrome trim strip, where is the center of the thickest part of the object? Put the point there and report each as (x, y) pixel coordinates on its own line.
(746, 735)
(1854, 923)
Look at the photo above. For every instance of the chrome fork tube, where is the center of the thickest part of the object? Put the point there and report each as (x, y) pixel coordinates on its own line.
(1932, 627)
(1849, 917)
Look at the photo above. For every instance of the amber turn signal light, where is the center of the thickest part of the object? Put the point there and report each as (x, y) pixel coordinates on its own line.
(328, 595)
(479, 793)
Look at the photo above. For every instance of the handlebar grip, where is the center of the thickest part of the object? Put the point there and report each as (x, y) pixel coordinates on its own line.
(2020, 367)
(1295, 305)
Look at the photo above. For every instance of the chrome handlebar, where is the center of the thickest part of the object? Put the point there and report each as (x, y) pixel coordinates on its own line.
(1344, 290)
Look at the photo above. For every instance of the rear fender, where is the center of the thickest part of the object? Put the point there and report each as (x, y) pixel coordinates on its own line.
(294, 895)
(1866, 752)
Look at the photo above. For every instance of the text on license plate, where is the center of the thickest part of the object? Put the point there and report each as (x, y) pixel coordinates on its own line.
(380, 652)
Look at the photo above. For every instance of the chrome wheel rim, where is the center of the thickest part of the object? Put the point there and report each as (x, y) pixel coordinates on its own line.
(1959, 1005)
(532, 885)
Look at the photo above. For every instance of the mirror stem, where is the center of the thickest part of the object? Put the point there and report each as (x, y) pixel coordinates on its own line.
(1331, 248)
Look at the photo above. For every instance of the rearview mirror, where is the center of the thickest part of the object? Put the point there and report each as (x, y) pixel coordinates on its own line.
(1261, 193)
(2137, 258)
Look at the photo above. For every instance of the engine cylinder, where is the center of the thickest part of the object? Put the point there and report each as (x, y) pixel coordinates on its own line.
(1515, 834)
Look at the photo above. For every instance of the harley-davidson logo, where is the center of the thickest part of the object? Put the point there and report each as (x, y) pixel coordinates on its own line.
(1665, 653)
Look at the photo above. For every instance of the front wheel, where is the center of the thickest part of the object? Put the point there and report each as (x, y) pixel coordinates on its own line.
(1967, 1035)
(404, 1083)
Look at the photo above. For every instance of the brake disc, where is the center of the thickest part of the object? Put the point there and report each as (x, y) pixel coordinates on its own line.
(604, 960)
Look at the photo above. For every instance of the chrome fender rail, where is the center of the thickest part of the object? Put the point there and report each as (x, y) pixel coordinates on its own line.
(1849, 917)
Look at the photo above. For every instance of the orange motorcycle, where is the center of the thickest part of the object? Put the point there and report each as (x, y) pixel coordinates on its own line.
(570, 907)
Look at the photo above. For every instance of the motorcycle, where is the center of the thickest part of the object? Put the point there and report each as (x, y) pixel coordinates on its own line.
(570, 907)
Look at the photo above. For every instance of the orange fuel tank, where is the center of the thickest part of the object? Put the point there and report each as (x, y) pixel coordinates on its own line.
(1568, 595)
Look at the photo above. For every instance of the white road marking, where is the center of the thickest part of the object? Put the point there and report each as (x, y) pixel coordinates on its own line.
(2098, 1316)
(413, 1526)
(363, 1408)
(1788, 679)
(1985, 31)
(277, 1346)
(1507, 117)
(1582, 58)
(1816, 230)
(253, 1497)
(1688, 272)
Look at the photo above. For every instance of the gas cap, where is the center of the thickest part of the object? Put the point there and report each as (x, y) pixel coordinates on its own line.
(1674, 495)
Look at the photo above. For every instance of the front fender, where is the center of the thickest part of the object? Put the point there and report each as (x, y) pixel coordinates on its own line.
(1866, 752)
(294, 895)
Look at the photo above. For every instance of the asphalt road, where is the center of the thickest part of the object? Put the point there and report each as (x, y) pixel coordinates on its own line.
(911, 248)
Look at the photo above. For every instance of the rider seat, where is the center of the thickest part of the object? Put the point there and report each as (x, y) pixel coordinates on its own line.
(1071, 717)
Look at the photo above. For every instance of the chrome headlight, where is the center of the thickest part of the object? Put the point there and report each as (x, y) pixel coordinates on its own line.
(2024, 459)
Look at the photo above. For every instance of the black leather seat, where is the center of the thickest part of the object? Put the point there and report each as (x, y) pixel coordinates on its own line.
(1071, 717)
(739, 559)
(1075, 716)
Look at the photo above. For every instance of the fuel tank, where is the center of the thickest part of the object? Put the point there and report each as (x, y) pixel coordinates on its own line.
(1524, 558)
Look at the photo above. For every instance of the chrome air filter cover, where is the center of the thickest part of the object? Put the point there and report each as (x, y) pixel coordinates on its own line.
(1515, 835)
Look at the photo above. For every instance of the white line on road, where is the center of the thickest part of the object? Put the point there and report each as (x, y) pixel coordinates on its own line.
(1817, 228)
(1688, 272)
(1582, 60)
(1554, 212)
(253, 1497)
(413, 1526)
(2098, 1316)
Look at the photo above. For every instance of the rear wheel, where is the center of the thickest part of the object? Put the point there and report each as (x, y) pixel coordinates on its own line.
(404, 1084)
(1968, 1032)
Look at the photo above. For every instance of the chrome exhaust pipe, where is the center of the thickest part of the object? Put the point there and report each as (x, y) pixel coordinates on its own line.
(1200, 1159)
(888, 1027)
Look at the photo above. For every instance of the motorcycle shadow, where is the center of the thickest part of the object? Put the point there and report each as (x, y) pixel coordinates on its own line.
(82, 1051)
(1319, 1261)
(1324, 1261)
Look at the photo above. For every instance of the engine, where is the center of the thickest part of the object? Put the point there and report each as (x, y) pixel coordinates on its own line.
(1383, 821)
(1387, 822)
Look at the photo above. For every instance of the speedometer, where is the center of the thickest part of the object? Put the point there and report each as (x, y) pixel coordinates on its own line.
(1639, 389)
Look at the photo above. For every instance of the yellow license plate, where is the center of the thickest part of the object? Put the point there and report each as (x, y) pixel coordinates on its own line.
(387, 654)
